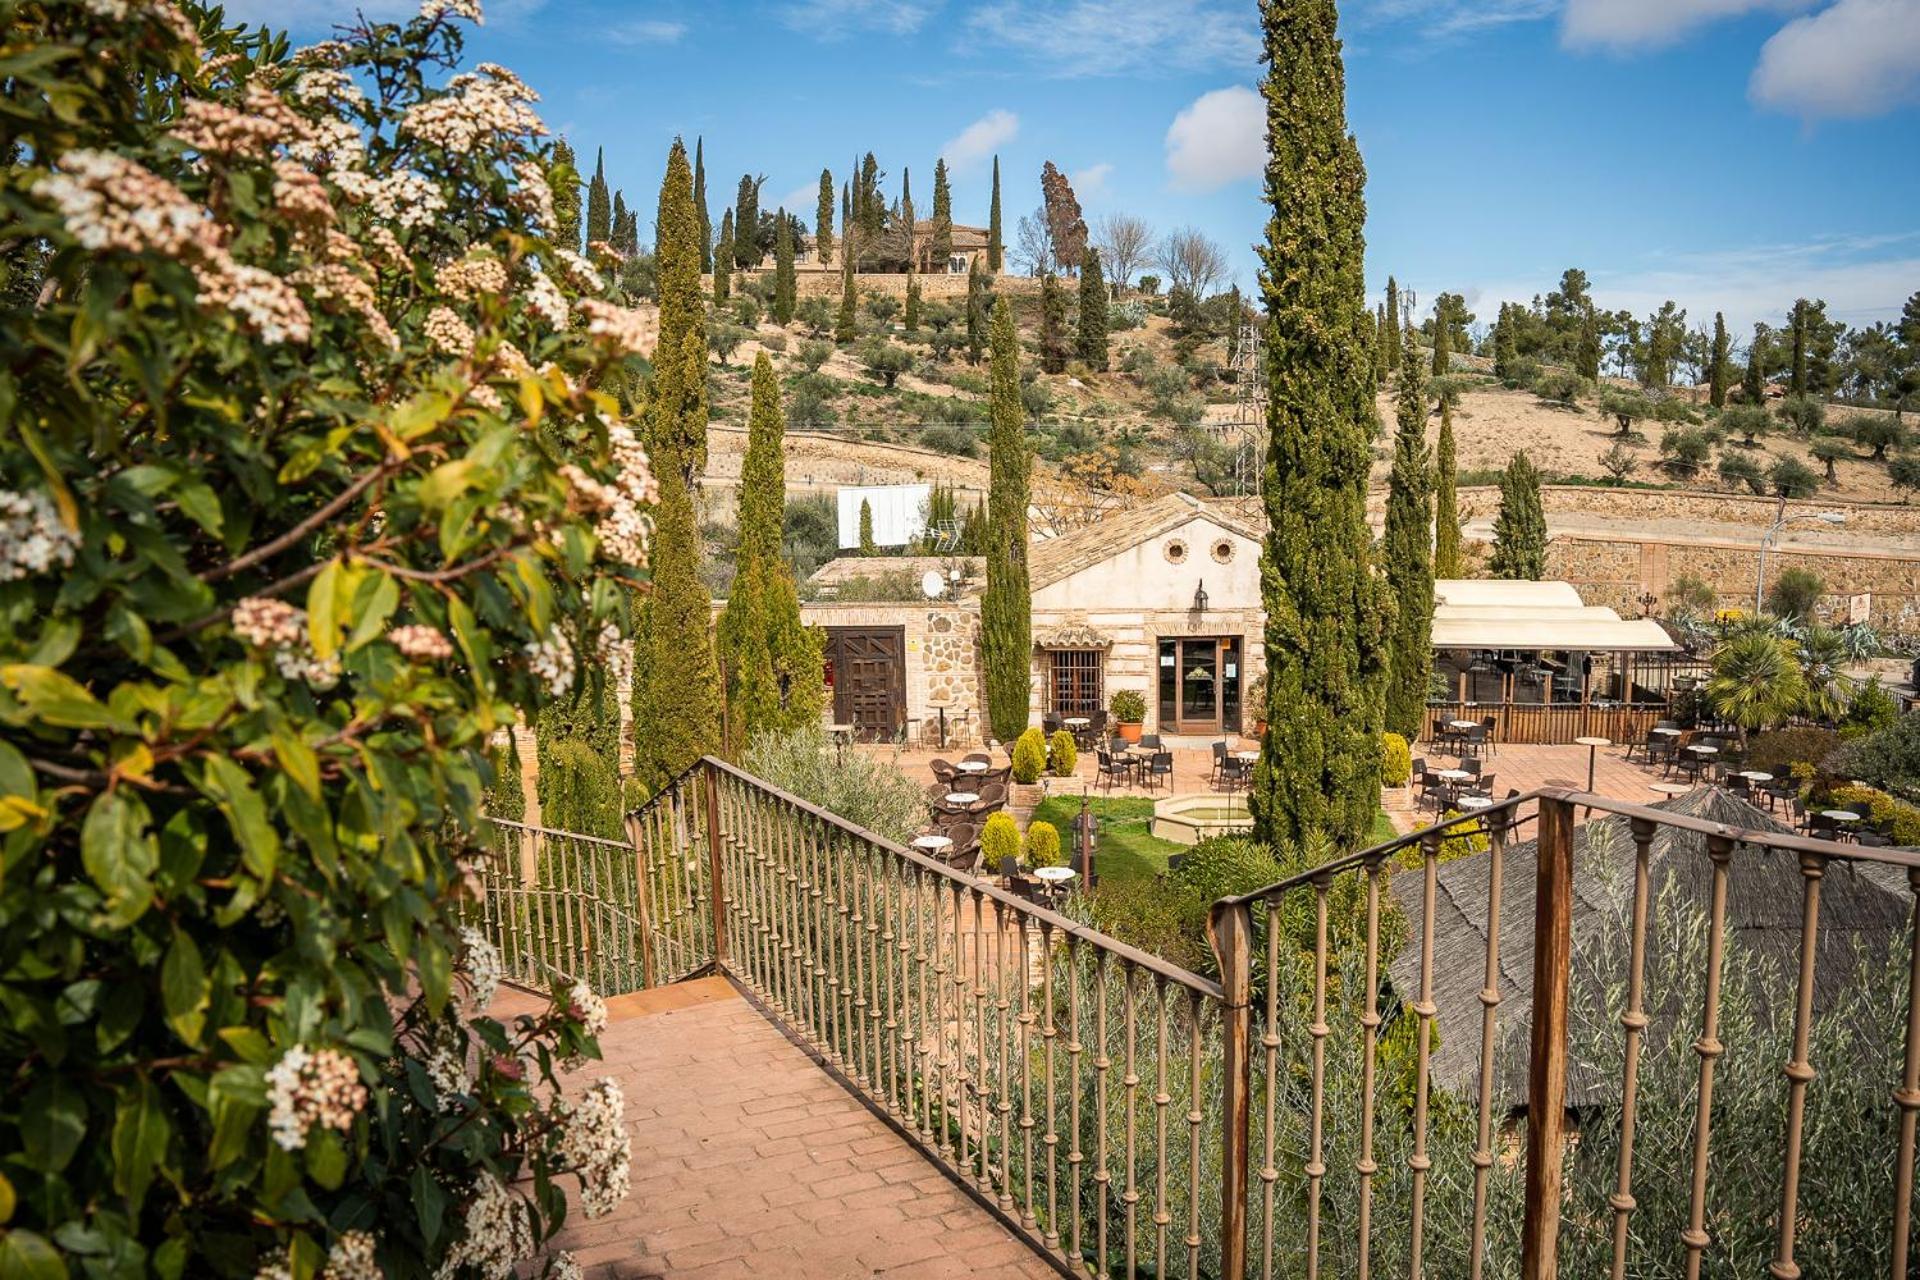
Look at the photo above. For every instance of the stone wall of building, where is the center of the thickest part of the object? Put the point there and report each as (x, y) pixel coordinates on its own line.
(942, 656)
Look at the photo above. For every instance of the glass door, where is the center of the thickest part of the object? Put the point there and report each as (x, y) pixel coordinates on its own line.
(1199, 686)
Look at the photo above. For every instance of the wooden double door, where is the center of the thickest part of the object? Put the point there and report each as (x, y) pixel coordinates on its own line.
(867, 667)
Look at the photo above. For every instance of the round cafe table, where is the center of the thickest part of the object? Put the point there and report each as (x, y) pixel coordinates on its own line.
(1475, 802)
(1055, 875)
(1669, 733)
(1250, 757)
(932, 844)
(1840, 815)
(1076, 722)
(1670, 788)
(1756, 775)
(1452, 775)
(1700, 749)
(972, 766)
(962, 797)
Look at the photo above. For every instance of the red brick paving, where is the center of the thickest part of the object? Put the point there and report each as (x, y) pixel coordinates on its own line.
(750, 1161)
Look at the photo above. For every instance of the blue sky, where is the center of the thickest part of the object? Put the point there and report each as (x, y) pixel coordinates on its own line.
(1732, 154)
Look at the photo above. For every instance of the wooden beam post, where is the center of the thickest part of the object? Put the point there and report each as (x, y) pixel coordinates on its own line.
(1231, 925)
(1547, 1056)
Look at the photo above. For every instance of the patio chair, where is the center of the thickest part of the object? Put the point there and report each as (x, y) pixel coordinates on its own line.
(1151, 741)
(942, 770)
(1738, 785)
(1109, 769)
(965, 835)
(1009, 869)
(1491, 726)
(993, 798)
(967, 860)
(1158, 765)
(1050, 724)
(1219, 762)
(1798, 808)
(1235, 773)
(1097, 721)
(1874, 840)
(1481, 786)
(1470, 766)
(980, 757)
(1475, 741)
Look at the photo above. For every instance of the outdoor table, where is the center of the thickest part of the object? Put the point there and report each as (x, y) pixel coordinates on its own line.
(1056, 877)
(1463, 724)
(1076, 722)
(1475, 802)
(1593, 746)
(1668, 733)
(1701, 750)
(1840, 815)
(961, 797)
(1755, 775)
(1250, 757)
(840, 730)
(1670, 788)
(972, 766)
(932, 844)
(1452, 775)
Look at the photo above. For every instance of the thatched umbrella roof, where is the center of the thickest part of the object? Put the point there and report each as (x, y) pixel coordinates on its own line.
(1860, 904)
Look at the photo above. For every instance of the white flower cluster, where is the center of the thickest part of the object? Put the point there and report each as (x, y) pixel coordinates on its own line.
(446, 1066)
(352, 1258)
(275, 1266)
(544, 296)
(587, 1008)
(335, 282)
(475, 277)
(625, 531)
(262, 299)
(563, 1266)
(480, 961)
(498, 1234)
(533, 196)
(266, 623)
(621, 329)
(476, 110)
(434, 10)
(300, 195)
(595, 1145)
(387, 245)
(448, 333)
(325, 85)
(581, 270)
(487, 398)
(418, 642)
(551, 662)
(33, 537)
(161, 13)
(510, 362)
(404, 198)
(310, 1087)
(216, 129)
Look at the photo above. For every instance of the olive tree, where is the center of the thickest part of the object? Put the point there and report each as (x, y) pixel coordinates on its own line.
(308, 492)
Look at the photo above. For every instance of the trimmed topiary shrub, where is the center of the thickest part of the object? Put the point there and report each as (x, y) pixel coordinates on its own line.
(1029, 757)
(1396, 760)
(1043, 845)
(999, 839)
(1063, 754)
(1223, 865)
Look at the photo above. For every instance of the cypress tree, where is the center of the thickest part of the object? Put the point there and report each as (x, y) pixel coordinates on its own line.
(867, 545)
(617, 227)
(563, 175)
(1380, 346)
(1586, 356)
(783, 286)
(700, 204)
(747, 249)
(1505, 348)
(846, 327)
(976, 312)
(1392, 329)
(996, 247)
(1520, 529)
(1053, 324)
(1407, 548)
(1442, 344)
(823, 218)
(680, 701)
(772, 662)
(1446, 511)
(723, 259)
(1006, 621)
(846, 209)
(910, 318)
(1753, 383)
(599, 207)
(1092, 341)
(868, 207)
(1719, 365)
(942, 217)
(1319, 767)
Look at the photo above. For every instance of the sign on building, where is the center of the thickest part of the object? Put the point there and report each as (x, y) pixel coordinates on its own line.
(899, 513)
(1860, 607)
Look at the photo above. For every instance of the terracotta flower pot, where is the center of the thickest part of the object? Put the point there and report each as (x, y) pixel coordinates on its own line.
(1130, 733)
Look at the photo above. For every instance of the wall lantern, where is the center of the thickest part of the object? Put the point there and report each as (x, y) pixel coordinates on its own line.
(1200, 598)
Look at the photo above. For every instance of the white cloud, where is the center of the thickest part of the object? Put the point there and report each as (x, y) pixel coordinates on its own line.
(1220, 138)
(1090, 183)
(837, 19)
(974, 145)
(1621, 25)
(1120, 37)
(1857, 58)
(646, 31)
(309, 16)
(1432, 20)
(802, 201)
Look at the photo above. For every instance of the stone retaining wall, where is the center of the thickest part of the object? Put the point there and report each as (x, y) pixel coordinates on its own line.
(825, 283)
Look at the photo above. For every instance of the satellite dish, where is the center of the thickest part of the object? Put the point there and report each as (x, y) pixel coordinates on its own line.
(932, 584)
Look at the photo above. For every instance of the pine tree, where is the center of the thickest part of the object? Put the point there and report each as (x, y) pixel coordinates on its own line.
(747, 249)
(723, 259)
(1006, 621)
(976, 312)
(996, 246)
(942, 248)
(1394, 321)
(1719, 364)
(679, 706)
(1446, 509)
(823, 218)
(1753, 383)
(1092, 342)
(700, 208)
(1520, 529)
(772, 661)
(783, 283)
(867, 545)
(1053, 324)
(1319, 767)
(563, 175)
(846, 326)
(599, 206)
(1407, 549)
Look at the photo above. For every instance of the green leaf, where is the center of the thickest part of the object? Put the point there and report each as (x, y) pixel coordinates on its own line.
(56, 698)
(200, 505)
(429, 1202)
(445, 483)
(248, 1043)
(53, 1120)
(246, 813)
(16, 775)
(322, 627)
(184, 991)
(120, 854)
(298, 759)
(326, 1159)
(373, 603)
(26, 1256)
(235, 1097)
(6, 1200)
(436, 974)
(140, 1132)
(57, 643)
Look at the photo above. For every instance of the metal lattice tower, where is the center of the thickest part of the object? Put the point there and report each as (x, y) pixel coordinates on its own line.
(1249, 425)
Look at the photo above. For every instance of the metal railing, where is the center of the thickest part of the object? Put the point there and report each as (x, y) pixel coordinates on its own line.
(1133, 1118)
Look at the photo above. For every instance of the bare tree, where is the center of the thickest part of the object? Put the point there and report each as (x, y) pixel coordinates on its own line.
(1032, 247)
(1191, 261)
(1126, 245)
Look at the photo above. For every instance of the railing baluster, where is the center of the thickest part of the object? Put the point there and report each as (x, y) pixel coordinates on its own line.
(1365, 1165)
(1076, 1157)
(1419, 1162)
(1799, 1070)
(1634, 1021)
(1162, 1217)
(1907, 1096)
(1269, 1072)
(1028, 1218)
(1709, 1048)
(1130, 1084)
(1316, 1169)
(1194, 1118)
(982, 1046)
(1049, 1038)
(1102, 1064)
(960, 1079)
(1003, 1011)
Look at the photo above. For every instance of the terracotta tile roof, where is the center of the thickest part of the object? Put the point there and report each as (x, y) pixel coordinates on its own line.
(1060, 558)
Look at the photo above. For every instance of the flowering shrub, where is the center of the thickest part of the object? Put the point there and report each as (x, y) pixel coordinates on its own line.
(304, 493)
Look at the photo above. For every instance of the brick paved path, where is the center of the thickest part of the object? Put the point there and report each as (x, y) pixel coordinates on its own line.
(750, 1161)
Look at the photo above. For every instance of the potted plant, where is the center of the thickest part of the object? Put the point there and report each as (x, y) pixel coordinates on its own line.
(1129, 711)
(1396, 774)
(1254, 699)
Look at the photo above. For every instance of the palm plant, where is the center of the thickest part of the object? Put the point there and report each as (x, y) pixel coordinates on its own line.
(1756, 681)
(1822, 652)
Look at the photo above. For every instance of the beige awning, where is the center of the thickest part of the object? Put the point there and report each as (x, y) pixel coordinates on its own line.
(1495, 592)
(1535, 616)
